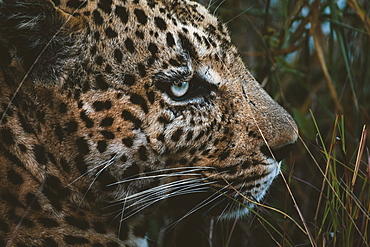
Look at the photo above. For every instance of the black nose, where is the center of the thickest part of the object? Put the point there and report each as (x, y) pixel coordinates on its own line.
(277, 153)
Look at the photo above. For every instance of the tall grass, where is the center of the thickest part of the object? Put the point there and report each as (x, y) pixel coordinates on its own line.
(313, 57)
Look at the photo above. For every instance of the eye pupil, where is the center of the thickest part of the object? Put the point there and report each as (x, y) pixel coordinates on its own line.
(179, 89)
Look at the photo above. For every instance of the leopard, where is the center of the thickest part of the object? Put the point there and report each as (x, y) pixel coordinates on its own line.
(112, 111)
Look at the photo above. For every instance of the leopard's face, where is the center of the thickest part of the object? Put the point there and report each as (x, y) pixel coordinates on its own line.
(146, 102)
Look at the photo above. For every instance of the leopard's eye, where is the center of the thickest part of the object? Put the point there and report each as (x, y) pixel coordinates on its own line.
(179, 89)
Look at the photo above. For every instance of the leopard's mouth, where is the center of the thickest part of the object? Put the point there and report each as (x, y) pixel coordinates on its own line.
(224, 200)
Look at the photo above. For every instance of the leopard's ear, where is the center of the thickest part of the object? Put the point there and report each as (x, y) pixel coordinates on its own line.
(36, 28)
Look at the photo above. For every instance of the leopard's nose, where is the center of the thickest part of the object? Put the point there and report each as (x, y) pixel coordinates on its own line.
(277, 153)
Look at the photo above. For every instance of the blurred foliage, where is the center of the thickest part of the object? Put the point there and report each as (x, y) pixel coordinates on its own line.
(313, 57)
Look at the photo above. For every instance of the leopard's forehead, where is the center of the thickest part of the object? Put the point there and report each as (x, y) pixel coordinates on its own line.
(129, 39)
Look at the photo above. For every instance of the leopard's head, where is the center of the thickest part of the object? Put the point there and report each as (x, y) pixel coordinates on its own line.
(136, 102)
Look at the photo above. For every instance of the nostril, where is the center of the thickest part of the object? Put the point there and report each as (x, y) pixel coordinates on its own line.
(278, 153)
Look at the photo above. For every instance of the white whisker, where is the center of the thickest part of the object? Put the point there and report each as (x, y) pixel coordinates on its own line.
(92, 169)
(200, 205)
(169, 186)
(238, 15)
(106, 164)
(218, 6)
(121, 217)
(156, 175)
(165, 196)
(223, 211)
(204, 203)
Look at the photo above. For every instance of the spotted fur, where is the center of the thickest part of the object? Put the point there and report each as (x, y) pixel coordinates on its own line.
(98, 128)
